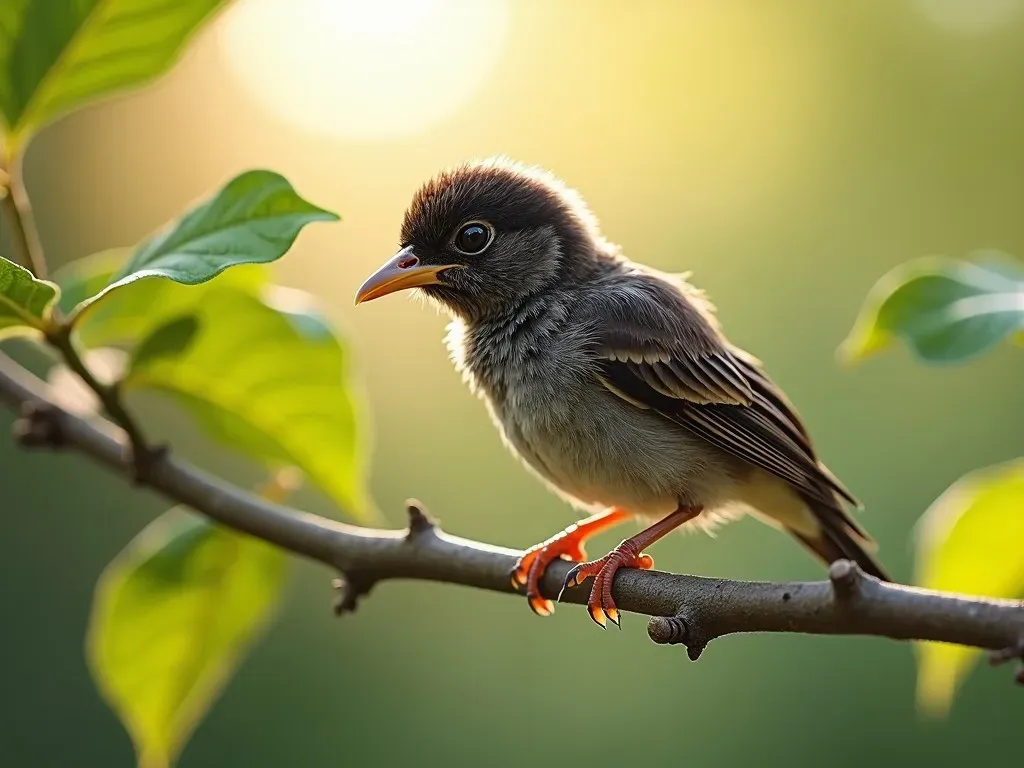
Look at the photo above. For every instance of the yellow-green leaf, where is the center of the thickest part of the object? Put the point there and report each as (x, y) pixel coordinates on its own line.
(969, 541)
(172, 617)
(133, 312)
(944, 310)
(56, 55)
(268, 377)
(26, 303)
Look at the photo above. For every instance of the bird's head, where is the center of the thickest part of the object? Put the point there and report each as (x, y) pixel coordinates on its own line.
(483, 237)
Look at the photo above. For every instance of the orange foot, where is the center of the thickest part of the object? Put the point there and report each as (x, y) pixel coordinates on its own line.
(629, 554)
(567, 545)
(600, 604)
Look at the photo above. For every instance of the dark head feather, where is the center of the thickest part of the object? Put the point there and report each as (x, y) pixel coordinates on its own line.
(510, 195)
(543, 230)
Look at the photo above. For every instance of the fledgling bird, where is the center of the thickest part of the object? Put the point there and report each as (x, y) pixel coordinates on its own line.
(613, 382)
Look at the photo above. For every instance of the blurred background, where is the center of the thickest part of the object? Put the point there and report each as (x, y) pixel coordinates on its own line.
(788, 153)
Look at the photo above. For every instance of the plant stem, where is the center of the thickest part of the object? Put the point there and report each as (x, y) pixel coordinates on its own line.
(18, 209)
(109, 396)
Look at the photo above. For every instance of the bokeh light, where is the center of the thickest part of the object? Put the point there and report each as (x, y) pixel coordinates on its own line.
(970, 16)
(361, 70)
(787, 153)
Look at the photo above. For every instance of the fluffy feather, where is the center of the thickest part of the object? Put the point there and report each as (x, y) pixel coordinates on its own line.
(613, 382)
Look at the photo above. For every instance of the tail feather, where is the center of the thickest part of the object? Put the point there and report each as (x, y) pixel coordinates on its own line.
(838, 540)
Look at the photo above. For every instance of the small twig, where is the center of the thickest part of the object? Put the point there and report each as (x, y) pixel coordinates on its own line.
(17, 209)
(36, 427)
(687, 609)
(1013, 652)
(349, 590)
(143, 455)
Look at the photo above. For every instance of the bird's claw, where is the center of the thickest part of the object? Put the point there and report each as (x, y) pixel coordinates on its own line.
(600, 604)
(530, 568)
(540, 605)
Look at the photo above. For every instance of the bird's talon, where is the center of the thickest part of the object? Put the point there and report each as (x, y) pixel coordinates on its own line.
(570, 579)
(566, 545)
(584, 571)
(541, 606)
(600, 604)
(520, 572)
(518, 577)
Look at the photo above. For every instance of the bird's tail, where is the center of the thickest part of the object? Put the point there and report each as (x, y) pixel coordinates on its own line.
(840, 539)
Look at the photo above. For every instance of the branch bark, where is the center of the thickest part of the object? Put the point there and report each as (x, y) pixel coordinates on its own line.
(690, 610)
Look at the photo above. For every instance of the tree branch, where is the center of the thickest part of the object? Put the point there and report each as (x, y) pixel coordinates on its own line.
(686, 609)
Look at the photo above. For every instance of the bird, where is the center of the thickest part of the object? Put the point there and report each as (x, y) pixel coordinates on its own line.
(613, 382)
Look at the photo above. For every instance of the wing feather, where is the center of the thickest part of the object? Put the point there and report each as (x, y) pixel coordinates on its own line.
(665, 354)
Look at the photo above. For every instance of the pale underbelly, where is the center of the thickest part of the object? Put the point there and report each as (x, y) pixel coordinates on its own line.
(609, 453)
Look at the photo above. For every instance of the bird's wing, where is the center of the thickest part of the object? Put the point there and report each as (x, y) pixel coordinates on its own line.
(659, 350)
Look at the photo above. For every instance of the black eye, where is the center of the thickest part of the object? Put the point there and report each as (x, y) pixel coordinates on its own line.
(474, 237)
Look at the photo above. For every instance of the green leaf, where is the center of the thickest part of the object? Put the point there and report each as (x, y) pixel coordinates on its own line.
(134, 311)
(26, 304)
(169, 340)
(83, 278)
(944, 310)
(969, 541)
(172, 617)
(253, 220)
(268, 377)
(56, 55)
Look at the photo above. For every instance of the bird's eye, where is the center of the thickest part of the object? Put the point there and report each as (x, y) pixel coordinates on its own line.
(474, 237)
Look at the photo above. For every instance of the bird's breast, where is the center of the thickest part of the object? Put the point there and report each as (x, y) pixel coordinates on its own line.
(598, 450)
(522, 359)
(541, 385)
(547, 401)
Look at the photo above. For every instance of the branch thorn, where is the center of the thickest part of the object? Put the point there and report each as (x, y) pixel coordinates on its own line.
(420, 521)
(845, 576)
(1015, 651)
(349, 589)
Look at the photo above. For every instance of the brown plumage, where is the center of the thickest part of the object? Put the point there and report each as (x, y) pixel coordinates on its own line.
(612, 381)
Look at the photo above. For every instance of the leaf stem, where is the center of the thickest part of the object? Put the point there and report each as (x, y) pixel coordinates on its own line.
(18, 209)
(143, 454)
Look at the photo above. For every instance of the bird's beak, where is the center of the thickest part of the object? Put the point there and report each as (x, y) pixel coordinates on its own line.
(402, 271)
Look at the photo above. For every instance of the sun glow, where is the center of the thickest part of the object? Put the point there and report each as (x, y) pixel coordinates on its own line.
(361, 69)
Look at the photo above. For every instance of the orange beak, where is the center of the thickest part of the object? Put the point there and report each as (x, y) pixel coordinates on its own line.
(402, 271)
